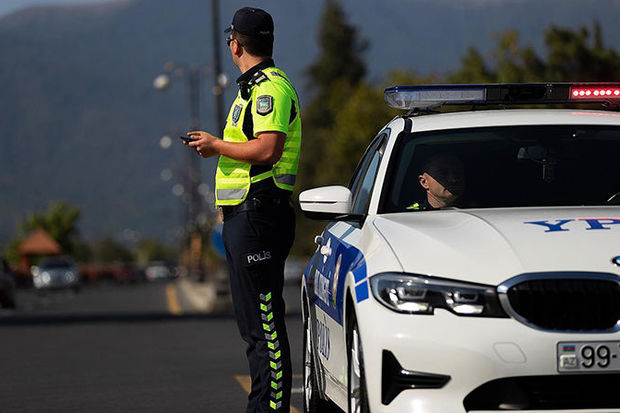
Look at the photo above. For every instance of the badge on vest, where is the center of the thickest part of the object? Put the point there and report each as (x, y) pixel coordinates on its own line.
(236, 114)
(264, 105)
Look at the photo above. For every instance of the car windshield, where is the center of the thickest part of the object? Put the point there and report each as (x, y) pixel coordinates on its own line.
(512, 166)
(56, 263)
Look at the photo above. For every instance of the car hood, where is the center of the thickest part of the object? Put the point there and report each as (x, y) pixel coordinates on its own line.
(491, 245)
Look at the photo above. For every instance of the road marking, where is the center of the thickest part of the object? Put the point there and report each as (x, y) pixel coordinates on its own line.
(246, 384)
(200, 295)
(173, 300)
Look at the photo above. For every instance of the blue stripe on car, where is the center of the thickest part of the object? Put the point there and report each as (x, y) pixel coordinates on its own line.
(361, 291)
(352, 261)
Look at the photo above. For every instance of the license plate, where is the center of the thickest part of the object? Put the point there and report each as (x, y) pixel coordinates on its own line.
(588, 356)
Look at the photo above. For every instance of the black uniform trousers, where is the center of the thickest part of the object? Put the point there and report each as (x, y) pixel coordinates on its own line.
(257, 242)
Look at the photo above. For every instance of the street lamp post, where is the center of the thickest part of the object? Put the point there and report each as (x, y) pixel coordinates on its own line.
(195, 214)
(192, 171)
(195, 217)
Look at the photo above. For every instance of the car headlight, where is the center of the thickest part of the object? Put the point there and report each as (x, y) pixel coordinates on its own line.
(416, 294)
(45, 277)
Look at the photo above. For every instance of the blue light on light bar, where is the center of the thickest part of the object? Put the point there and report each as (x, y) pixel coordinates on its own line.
(429, 96)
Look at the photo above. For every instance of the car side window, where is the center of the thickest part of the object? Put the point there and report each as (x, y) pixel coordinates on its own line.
(359, 172)
(362, 165)
(365, 180)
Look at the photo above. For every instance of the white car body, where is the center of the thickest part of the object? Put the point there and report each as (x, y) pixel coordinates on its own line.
(475, 245)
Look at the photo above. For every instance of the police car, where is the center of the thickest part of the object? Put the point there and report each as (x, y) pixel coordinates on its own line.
(507, 298)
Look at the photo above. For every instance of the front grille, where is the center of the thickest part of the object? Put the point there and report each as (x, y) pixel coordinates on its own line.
(592, 391)
(567, 304)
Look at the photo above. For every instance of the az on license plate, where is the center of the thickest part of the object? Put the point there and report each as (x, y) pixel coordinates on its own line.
(588, 356)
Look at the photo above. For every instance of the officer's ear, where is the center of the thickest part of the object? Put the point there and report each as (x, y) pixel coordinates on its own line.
(423, 181)
(236, 49)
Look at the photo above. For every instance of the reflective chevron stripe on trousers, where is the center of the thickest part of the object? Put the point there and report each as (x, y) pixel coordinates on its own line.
(257, 244)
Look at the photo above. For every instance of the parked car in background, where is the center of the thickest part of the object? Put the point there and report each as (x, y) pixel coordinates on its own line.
(7, 286)
(56, 272)
(128, 273)
(160, 270)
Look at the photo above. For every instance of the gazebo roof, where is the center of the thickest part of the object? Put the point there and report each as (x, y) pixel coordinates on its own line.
(39, 243)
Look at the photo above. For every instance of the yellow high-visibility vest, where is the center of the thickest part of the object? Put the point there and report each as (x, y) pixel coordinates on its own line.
(275, 108)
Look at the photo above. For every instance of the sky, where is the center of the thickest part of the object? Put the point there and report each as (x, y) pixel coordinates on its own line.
(8, 6)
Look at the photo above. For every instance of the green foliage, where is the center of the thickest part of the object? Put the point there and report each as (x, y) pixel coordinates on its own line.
(59, 221)
(571, 58)
(153, 250)
(108, 250)
(82, 252)
(333, 76)
(339, 65)
(10, 253)
(572, 55)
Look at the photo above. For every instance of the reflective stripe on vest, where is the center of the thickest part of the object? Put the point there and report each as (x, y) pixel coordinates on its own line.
(286, 179)
(232, 179)
(230, 194)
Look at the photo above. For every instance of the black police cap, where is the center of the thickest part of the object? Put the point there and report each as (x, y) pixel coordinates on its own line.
(251, 22)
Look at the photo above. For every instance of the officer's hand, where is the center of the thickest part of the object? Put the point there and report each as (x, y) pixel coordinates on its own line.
(204, 143)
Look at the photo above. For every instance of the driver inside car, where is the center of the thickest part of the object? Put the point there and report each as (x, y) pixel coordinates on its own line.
(443, 179)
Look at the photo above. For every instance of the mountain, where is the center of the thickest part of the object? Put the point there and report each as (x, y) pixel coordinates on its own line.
(9, 6)
(80, 120)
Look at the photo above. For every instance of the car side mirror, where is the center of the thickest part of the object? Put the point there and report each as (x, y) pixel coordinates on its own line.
(331, 203)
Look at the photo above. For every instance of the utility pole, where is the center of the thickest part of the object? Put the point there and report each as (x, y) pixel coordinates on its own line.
(193, 171)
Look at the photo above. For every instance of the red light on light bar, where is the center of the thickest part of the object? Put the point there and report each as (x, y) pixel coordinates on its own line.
(595, 93)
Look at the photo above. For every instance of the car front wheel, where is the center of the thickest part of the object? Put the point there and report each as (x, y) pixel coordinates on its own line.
(358, 396)
(312, 402)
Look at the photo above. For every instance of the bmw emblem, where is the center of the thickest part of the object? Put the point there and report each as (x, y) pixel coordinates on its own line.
(616, 260)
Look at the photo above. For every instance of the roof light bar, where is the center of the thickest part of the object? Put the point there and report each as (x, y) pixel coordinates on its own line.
(424, 97)
(429, 96)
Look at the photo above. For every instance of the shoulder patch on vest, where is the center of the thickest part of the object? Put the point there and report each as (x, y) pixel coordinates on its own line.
(274, 73)
(258, 77)
(264, 104)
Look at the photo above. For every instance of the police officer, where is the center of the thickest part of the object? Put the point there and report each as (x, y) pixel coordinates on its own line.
(259, 157)
(443, 179)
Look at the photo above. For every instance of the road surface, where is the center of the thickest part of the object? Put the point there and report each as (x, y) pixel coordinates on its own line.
(126, 348)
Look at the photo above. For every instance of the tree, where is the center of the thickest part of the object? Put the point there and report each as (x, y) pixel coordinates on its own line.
(338, 69)
(153, 250)
(333, 77)
(108, 250)
(357, 123)
(339, 65)
(570, 56)
(59, 221)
